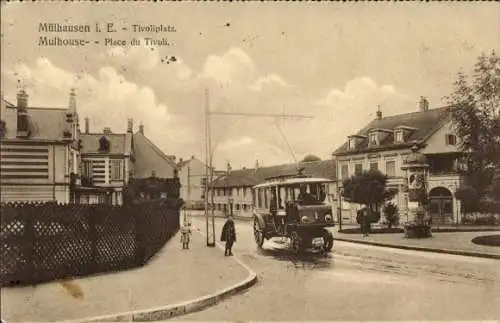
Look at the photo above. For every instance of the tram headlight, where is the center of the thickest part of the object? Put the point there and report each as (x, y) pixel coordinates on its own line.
(304, 219)
(328, 218)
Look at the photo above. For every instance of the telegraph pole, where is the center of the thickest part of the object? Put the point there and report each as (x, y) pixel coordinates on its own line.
(188, 192)
(209, 151)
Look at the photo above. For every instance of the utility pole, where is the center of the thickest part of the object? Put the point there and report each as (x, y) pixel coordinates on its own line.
(209, 152)
(188, 192)
(208, 173)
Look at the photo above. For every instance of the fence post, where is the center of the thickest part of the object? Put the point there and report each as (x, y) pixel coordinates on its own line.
(93, 237)
(140, 253)
(29, 273)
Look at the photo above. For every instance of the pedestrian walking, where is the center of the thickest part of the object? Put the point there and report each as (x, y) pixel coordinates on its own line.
(186, 235)
(228, 235)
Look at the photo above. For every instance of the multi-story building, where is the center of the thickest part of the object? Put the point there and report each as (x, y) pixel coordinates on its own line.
(193, 178)
(385, 143)
(106, 165)
(45, 157)
(39, 151)
(111, 160)
(232, 192)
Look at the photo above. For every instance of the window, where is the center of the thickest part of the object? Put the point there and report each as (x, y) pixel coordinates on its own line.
(116, 170)
(244, 191)
(344, 171)
(390, 168)
(398, 136)
(238, 191)
(358, 169)
(451, 140)
(203, 181)
(87, 168)
(374, 166)
(373, 138)
(103, 145)
(352, 143)
(259, 197)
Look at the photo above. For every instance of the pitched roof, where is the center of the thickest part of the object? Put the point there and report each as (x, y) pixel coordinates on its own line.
(149, 158)
(251, 177)
(44, 123)
(425, 123)
(119, 143)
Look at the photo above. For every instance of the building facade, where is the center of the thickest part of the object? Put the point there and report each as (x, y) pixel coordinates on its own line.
(106, 165)
(233, 194)
(193, 179)
(45, 157)
(39, 151)
(385, 143)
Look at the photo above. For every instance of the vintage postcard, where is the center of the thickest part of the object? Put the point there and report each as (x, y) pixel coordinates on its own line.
(249, 161)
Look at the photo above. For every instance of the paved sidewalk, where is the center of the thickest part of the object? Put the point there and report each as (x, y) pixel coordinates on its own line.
(172, 276)
(445, 242)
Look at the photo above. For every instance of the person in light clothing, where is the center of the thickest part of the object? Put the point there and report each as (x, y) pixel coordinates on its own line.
(186, 235)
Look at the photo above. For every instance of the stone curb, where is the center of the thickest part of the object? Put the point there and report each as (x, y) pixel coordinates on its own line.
(446, 251)
(164, 313)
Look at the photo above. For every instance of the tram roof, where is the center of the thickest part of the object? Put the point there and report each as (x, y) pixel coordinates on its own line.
(294, 181)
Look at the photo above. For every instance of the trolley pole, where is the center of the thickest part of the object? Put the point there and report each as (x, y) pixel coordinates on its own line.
(209, 152)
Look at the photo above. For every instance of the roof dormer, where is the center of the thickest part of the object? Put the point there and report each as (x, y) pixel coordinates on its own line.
(377, 136)
(401, 133)
(354, 141)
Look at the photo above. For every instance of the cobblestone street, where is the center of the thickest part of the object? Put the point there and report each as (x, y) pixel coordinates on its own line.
(359, 282)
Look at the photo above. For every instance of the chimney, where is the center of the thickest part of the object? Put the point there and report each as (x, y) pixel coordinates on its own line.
(141, 129)
(22, 113)
(424, 104)
(87, 125)
(130, 125)
(192, 157)
(257, 164)
(379, 113)
(106, 131)
(72, 101)
(180, 160)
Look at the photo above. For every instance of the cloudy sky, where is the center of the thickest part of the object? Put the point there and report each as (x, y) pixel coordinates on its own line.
(333, 61)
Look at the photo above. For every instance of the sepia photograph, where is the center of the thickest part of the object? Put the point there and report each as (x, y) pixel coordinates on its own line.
(254, 161)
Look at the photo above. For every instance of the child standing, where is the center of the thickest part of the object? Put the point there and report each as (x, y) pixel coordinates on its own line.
(186, 235)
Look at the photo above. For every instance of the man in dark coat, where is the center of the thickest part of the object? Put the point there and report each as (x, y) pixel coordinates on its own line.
(228, 235)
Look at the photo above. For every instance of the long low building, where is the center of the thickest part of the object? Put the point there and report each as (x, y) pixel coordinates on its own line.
(232, 192)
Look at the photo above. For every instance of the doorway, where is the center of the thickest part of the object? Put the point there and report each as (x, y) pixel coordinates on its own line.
(441, 205)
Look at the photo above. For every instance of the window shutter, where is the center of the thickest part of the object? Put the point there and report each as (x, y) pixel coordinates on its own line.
(447, 139)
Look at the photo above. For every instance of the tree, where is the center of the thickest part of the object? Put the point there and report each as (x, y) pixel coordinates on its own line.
(469, 198)
(493, 190)
(476, 119)
(310, 158)
(369, 189)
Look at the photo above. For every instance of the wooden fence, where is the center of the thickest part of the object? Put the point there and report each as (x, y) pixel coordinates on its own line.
(44, 242)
